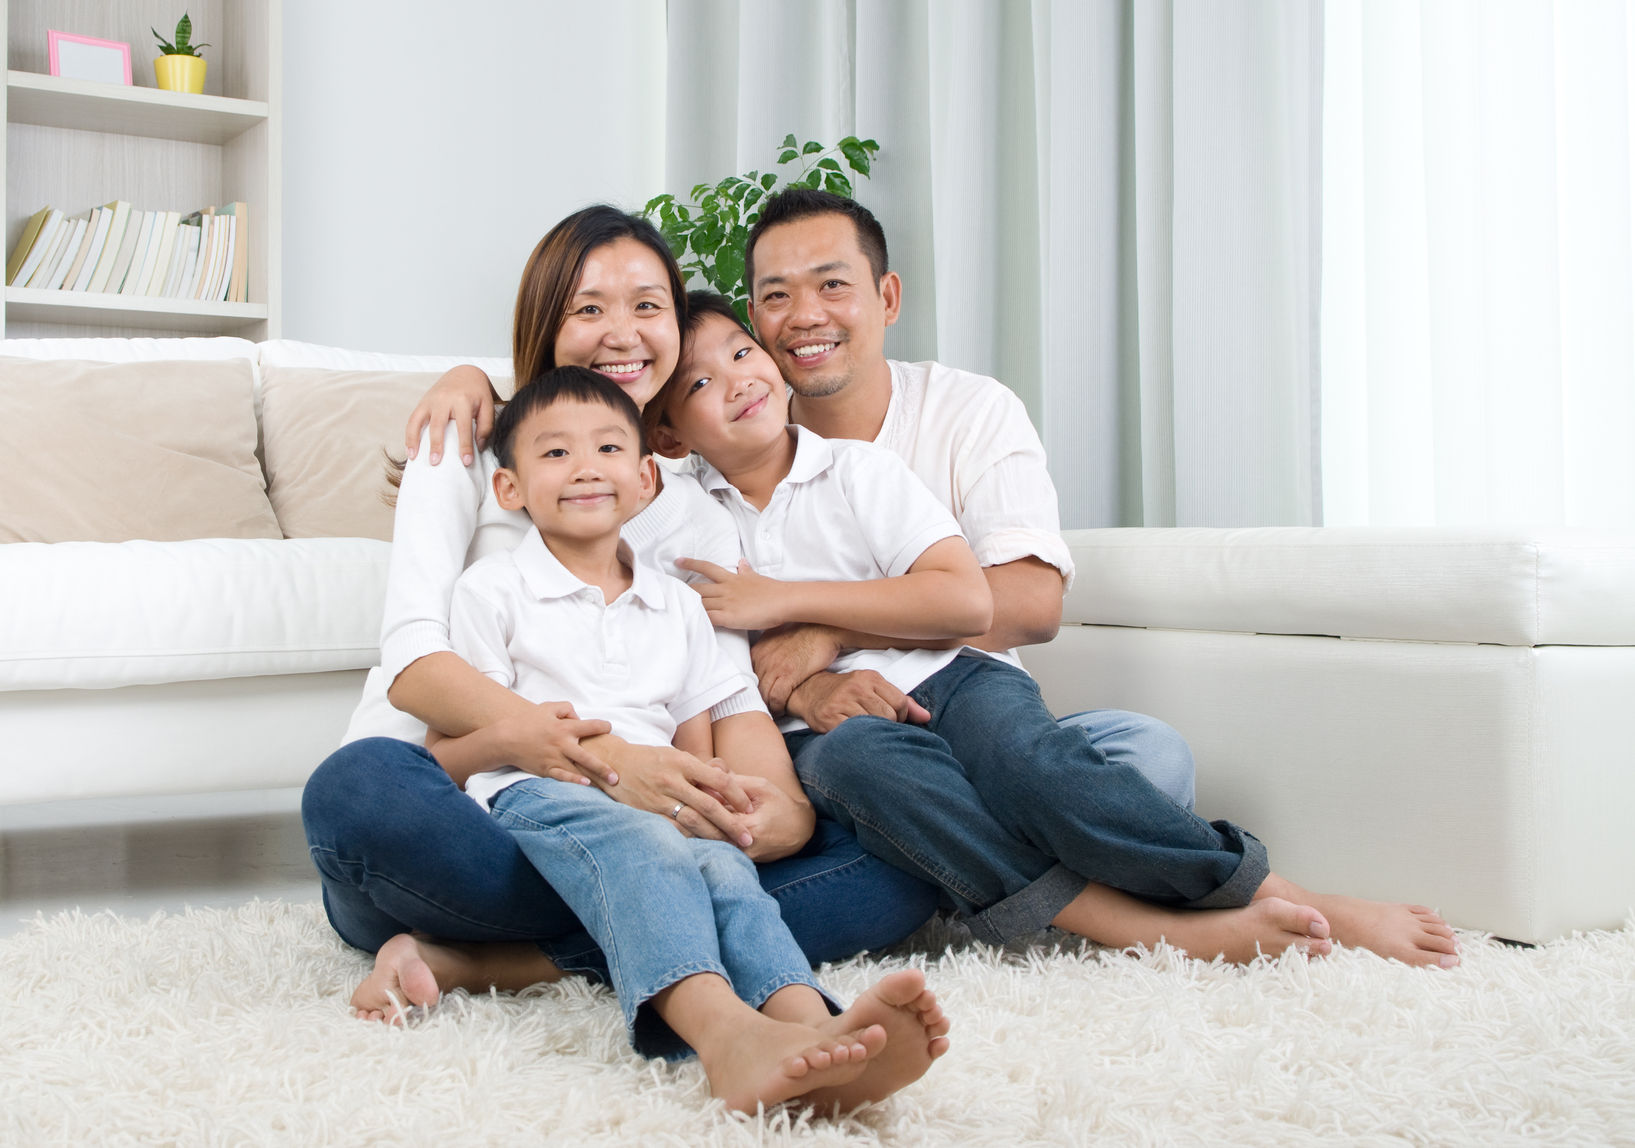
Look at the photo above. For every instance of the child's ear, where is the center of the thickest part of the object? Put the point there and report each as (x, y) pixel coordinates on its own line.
(508, 490)
(663, 439)
(649, 477)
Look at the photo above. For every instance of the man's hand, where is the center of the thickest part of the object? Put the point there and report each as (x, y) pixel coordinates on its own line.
(787, 656)
(743, 600)
(462, 396)
(825, 700)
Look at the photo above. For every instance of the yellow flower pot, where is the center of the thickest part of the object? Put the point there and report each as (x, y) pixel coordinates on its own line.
(180, 73)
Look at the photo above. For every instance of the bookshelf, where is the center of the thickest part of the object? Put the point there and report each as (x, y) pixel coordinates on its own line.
(75, 145)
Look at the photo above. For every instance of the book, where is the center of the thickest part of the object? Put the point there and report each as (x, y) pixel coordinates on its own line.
(93, 252)
(127, 248)
(155, 282)
(142, 258)
(187, 253)
(224, 273)
(44, 236)
(59, 272)
(238, 288)
(212, 268)
(110, 248)
(42, 270)
(83, 250)
(206, 225)
(31, 232)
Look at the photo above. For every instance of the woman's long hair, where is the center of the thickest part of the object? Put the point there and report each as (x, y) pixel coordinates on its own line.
(549, 279)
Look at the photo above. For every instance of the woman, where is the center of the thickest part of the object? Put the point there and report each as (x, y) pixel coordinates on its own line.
(400, 849)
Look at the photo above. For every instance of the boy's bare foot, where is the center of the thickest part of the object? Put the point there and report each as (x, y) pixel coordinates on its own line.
(771, 1061)
(412, 971)
(916, 1034)
(1412, 934)
(1264, 928)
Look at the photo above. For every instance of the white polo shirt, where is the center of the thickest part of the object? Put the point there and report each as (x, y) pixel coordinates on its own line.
(644, 662)
(848, 511)
(448, 518)
(969, 439)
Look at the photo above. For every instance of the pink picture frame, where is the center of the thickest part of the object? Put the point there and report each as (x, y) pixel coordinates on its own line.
(87, 58)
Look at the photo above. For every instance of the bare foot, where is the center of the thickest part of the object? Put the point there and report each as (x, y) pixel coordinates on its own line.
(1263, 928)
(916, 1034)
(771, 1061)
(1412, 934)
(412, 971)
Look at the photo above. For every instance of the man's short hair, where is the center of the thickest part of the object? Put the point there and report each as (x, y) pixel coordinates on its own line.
(561, 384)
(794, 203)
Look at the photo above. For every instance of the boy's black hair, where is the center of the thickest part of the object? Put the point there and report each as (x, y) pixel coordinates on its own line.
(794, 203)
(575, 384)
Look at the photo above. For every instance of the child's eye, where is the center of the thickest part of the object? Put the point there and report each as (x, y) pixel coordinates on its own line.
(740, 353)
(697, 384)
(556, 452)
(610, 448)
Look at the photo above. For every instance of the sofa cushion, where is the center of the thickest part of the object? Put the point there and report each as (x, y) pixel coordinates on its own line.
(1512, 587)
(293, 353)
(325, 439)
(96, 615)
(88, 455)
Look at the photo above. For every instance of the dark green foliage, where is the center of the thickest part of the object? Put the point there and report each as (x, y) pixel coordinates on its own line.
(708, 232)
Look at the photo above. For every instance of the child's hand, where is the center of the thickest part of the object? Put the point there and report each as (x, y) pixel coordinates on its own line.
(742, 601)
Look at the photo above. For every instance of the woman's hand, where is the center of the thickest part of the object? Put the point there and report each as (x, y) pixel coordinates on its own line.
(658, 778)
(787, 656)
(462, 396)
(743, 600)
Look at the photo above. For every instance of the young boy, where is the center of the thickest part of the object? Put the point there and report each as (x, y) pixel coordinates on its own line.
(695, 947)
(990, 799)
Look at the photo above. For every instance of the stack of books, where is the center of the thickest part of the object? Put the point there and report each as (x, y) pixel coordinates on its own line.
(114, 250)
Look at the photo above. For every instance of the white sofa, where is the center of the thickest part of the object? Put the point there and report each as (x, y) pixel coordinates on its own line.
(1430, 715)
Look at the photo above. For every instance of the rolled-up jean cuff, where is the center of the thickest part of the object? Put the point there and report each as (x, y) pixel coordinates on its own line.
(1027, 910)
(1238, 889)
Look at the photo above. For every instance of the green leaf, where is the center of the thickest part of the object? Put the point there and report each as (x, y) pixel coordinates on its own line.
(857, 156)
(787, 156)
(871, 146)
(827, 163)
(788, 140)
(729, 268)
(836, 184)
(698, 191)
(811, 147)
(184, 33)
(752, 198)
(768, 180)
(654, 204)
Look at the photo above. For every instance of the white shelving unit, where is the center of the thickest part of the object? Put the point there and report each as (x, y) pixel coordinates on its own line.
(73, 144)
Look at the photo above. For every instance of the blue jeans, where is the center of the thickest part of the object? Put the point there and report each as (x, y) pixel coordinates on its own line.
(1012, 814)
(1156, 750)
(662, 907)
(400, 848)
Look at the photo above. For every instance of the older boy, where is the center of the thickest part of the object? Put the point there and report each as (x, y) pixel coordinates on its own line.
(811, 510)
(688, 932)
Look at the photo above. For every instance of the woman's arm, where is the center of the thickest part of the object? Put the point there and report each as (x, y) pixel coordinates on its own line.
(943, 595)
(463, 396)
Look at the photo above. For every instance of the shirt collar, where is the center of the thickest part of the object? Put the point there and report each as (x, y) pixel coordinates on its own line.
(814, 454)
(546, 577)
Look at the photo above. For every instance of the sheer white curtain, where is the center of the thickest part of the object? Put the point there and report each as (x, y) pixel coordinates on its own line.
(1478, 350)
(1110, 205)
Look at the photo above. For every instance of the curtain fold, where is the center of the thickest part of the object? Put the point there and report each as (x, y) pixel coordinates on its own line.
(1110, 205)
(1478, 317)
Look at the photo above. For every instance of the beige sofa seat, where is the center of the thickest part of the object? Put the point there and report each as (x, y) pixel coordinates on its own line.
(1430, 715)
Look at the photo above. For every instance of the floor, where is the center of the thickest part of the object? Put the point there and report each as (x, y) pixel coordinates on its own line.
(138, 855)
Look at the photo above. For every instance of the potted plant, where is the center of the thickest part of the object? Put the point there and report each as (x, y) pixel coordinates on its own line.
(180, 68)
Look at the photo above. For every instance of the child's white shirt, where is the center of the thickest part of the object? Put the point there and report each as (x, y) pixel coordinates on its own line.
(848, 511)
(448, 517)
(644, 662)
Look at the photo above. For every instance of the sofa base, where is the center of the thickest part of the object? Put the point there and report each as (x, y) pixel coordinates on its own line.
(183, 737)
(1490, 782)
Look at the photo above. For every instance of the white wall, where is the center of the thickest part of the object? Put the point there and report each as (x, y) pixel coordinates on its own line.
(428, 146)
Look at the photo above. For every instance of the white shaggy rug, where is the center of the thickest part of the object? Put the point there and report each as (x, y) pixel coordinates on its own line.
(231, 1027)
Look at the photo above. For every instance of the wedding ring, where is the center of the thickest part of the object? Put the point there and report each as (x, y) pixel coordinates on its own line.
(676, 812)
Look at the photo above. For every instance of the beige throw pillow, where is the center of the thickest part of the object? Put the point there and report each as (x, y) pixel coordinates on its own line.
(325, 438)
(109, 452)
